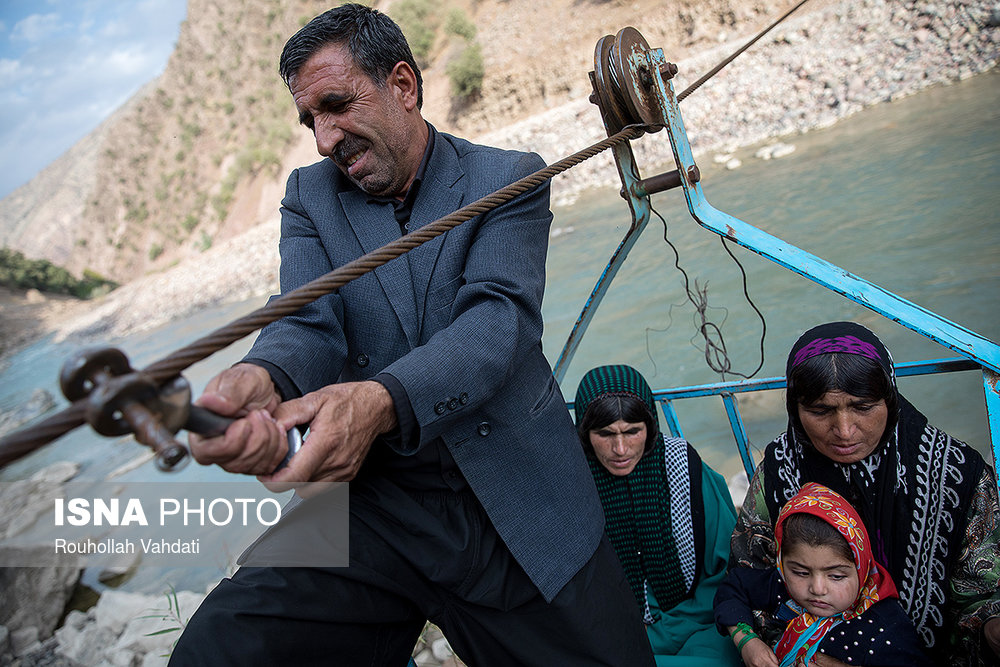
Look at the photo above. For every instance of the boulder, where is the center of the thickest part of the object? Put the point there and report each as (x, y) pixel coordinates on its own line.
(24, 500)
(125, 629)
(34, 596)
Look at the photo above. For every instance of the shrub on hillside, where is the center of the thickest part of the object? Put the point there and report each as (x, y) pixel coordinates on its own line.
(466, 72)
(459, 24)
(416, 20)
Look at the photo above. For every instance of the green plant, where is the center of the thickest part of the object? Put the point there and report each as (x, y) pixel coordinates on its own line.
(19, 272)
(459, 24)
(466, 72)
(204, 243)
(155, 251)
(135, 212)
(416, 20)
(171, 615)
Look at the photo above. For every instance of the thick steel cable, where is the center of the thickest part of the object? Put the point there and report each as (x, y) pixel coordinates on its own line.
(715, 70)
(18, 444)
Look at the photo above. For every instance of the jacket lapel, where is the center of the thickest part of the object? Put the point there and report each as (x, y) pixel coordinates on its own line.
(375, 225)
(440, 194)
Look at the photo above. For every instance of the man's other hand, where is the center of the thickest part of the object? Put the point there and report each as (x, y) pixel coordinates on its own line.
(344, 419)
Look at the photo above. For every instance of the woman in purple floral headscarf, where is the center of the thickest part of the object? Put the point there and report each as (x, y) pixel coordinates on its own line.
(929, 501)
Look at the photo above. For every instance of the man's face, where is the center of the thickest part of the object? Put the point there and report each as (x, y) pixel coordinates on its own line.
(363, 127)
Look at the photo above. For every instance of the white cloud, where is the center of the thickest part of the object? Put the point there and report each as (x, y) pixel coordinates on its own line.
(8, 70)
(37, 27)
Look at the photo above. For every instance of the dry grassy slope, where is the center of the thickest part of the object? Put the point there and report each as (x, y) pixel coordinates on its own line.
(200, 155)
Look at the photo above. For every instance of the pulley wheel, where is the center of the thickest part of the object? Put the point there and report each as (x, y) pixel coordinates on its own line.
(106, 405)
(79, 373)
(615, 115)
(633, 76)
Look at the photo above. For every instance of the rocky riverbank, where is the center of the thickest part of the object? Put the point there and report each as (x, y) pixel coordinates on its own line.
(123, 629)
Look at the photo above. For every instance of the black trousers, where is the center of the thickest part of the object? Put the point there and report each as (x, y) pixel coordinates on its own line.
(445, 563)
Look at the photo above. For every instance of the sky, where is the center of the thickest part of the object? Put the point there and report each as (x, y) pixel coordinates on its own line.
(65, 65)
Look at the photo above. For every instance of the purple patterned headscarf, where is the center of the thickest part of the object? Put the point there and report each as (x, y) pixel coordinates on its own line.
(847, 344)
(842, 337)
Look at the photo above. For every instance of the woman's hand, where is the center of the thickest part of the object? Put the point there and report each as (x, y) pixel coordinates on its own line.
(756, 653)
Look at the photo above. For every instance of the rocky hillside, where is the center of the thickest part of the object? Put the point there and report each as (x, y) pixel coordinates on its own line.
(199, 156)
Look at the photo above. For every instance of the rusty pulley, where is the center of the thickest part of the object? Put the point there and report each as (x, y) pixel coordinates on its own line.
(623, 81)
(121, 401)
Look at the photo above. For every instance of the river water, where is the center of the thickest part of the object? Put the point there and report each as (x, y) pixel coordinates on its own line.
(905, 195)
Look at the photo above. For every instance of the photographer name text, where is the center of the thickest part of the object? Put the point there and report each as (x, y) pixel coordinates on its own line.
(128, 546)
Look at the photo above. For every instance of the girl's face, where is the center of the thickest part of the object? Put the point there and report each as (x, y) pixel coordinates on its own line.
(819, 578)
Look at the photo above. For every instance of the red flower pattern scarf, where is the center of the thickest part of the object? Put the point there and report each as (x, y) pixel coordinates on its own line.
(805, 632)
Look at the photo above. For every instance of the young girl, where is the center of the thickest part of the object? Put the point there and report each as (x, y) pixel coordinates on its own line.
(836, 598)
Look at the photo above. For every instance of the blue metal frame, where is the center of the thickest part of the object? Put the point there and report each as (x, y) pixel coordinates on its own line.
(981, 351)
(640, 217)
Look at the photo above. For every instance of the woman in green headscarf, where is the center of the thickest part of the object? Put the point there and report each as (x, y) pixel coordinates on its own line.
(668, 515)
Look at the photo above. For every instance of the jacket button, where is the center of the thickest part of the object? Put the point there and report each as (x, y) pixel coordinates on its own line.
(463, 398)
(362, 360)
(452, 403)
(484, 429)
(439, 407)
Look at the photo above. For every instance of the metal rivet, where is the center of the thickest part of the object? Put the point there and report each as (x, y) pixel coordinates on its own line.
(668, 71)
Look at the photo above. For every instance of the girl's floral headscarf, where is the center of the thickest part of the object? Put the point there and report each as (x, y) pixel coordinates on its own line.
(805, 632)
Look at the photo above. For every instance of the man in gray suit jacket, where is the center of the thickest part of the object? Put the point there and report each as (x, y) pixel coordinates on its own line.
(424, 384)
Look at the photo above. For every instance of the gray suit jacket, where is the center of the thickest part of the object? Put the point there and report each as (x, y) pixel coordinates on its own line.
(457, 321)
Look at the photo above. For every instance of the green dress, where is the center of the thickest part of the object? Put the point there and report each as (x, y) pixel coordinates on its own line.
(670, 521)
(686, 634)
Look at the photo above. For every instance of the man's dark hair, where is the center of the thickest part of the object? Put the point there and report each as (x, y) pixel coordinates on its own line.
(850, 373)
(373, 39)
(809, 529)
(610, 408)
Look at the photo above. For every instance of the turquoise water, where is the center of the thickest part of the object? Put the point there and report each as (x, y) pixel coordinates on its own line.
(905, 195)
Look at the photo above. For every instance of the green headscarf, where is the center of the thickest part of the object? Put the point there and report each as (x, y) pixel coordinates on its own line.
(637, 505)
